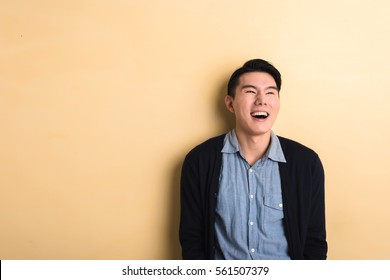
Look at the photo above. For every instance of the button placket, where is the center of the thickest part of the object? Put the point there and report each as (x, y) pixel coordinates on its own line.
(251, 216)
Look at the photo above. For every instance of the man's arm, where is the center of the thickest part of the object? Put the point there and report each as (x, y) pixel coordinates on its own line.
(192, 231)
(316, 246)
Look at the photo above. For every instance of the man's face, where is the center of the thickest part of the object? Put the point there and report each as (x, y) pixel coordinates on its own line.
(256, 103)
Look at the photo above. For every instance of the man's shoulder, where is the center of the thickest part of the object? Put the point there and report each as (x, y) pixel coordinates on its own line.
(208, 147)
(294, 149)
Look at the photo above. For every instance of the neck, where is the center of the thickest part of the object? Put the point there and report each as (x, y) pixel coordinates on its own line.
(253, 146)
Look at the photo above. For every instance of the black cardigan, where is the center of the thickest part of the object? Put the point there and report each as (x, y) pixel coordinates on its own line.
(302, 178)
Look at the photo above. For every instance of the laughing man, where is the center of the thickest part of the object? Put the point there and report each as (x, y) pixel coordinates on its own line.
(250, 194)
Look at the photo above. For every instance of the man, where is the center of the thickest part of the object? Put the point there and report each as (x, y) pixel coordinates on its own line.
(250, 194)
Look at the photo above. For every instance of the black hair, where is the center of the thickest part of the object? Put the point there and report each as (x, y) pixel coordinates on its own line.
(254, 65)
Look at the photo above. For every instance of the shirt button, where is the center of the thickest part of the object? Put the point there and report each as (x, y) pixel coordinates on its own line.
(251, 170)
(252, 250)
(251, 196)
(281, 205)
(251, 223)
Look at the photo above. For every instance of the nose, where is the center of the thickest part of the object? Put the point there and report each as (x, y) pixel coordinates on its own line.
(260, 100)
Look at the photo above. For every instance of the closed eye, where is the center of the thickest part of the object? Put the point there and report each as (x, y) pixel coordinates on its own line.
(250, 91)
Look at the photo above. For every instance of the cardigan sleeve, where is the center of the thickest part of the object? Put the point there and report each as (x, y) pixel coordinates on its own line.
(192, 231)
(315, 243)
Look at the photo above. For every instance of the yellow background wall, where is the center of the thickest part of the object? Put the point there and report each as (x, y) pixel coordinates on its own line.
(101, 100)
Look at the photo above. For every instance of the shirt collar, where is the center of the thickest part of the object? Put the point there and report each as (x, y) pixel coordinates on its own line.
(274, 151)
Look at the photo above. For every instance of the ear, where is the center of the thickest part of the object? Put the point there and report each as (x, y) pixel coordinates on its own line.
(229, 103)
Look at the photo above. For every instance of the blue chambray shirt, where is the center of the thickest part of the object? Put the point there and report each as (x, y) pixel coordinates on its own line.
(249, 212)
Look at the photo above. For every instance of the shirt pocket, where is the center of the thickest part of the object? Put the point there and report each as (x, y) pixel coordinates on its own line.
(273, 208)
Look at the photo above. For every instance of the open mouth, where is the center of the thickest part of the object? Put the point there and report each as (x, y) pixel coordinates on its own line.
(260, 115)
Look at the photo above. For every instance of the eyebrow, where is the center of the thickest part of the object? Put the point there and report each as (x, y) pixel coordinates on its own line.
(251, 86)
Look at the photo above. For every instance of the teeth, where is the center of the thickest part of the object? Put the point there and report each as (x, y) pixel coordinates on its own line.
(255, 114)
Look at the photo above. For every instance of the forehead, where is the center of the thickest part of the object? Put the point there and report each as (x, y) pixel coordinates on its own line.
(257, 79)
